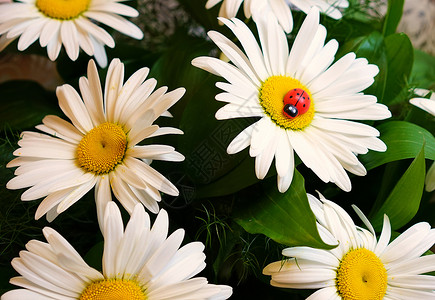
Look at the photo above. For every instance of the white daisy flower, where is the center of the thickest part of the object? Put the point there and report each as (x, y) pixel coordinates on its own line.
(280, 8)
(360, 267)
(429, 106)
(139, 263)
(300, 98)
(100, 147)
(68, 23)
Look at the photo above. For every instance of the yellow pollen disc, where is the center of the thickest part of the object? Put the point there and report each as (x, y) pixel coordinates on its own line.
(62, 9)
(102, 148)
(113, 289)
(271, 97)
(361, 276)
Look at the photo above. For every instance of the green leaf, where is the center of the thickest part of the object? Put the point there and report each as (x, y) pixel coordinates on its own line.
(206, 139)
(403, 140)
(423, 70)
(400, 58)
(238, 178)
(354, 24)
(393, 16)
(284, 217)
(403, 202)
(94, 256)
(23, 104)
(174, 68)
(206, 17)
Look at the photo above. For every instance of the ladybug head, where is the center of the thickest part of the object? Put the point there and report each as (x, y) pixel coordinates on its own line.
(290, 110)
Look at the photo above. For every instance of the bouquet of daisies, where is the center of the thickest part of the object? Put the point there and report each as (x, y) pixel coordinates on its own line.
(265, 149)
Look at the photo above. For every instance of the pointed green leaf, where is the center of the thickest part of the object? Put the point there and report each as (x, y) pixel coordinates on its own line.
(400, 56)
(393, 16)
(403, 140)
(403, 202)
(284, 217)
(423, 70)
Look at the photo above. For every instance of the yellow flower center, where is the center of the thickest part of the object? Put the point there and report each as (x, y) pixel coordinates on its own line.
(272, 94)
(113, 289)
(62, 9)
(361, 276)
(102, 148)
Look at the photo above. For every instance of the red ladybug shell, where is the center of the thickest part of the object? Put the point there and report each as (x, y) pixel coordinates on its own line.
(296, 102)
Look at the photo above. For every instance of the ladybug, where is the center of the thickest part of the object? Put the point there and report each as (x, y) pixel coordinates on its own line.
(296, 102)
